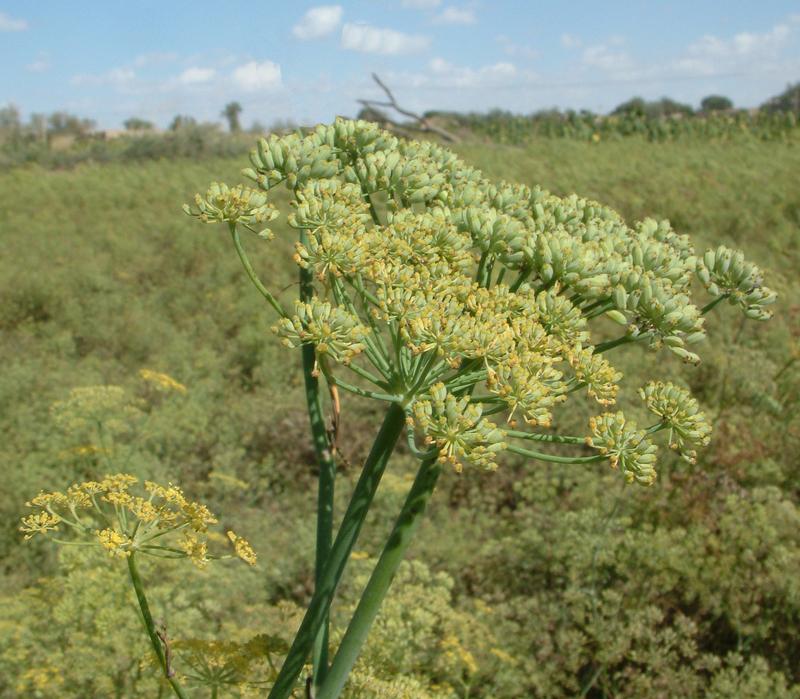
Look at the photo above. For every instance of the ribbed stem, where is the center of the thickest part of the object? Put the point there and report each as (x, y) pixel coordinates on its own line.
(381, 579)
(346, 537)
(150, 626)
(326, 479)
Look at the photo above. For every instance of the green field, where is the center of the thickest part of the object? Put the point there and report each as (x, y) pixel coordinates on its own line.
(533, 581)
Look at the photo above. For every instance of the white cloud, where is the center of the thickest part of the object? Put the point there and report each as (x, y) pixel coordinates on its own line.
(422, 4)
(255, 76)
(9, 24)
(368, 39)
(154, 58)
(742, 44)
(570, 41)
(117, 77)
(317, 22)
(120, 76)
(40, 65)
(196, 76)
(456, 15)
(751, 52)
(601, 57)
(517, 50)
(449, 75)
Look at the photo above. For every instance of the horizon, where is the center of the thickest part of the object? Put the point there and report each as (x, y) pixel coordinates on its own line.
(311, 62)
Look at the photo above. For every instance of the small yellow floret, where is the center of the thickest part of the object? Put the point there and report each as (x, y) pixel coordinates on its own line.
(243, 548)
(114, 542)
(162, 381)
(39, 523)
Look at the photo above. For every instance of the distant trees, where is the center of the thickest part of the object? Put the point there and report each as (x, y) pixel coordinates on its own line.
(9, 118)
(137, 124)
(635, 107)
(666, 106)
(63, 123)
(715, 103)
(231, 113)
(787, 101)
(182, 121)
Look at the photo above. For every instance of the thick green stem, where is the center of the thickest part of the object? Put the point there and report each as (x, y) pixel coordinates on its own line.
(326, 479)
(381, 578)
(150, 626)
(346, 537)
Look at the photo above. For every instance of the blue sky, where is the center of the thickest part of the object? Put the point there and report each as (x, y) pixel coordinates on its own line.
(308, 61)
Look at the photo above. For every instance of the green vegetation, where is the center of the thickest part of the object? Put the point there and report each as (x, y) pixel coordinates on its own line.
(659, 121)
(534, 580)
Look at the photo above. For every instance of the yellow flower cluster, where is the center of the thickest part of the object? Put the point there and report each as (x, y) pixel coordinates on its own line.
(160, 521)
(680, 413)
(432, 282)
(87, 406)
(245, 668)
(163, 382)
(243, 548)
(457, 429)
(233, 205)
(626, 446)
(334, 331)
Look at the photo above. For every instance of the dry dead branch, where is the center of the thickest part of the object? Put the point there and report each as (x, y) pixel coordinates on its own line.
(422, 123)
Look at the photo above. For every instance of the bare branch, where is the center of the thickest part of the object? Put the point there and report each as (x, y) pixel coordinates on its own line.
(423, 123)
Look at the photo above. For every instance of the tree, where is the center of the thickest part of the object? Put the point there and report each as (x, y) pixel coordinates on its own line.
(137, 124)
(181, 121)
(667, 106)
(716, 103)
(9, 119)
(636, 106)
(231, 113)
(64, 123)
(787, 101)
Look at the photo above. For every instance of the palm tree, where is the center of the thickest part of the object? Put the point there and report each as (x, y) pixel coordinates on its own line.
(231, 113)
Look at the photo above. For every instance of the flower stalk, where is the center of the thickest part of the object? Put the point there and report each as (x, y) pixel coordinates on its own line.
(326, 462)
(150, 627)
(393, 553)
(346, 537)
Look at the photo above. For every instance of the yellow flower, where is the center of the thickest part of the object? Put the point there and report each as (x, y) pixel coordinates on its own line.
(114, 542)
(163, 382)
(39, 523)
(195, 549)
(243, 548)
(164, 520)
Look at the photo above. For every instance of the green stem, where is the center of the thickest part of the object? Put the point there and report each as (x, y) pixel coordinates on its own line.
(340, 552)
(365, 392)
(554, 438)
(325, 481)
(150, 626)
(237, 243)
(481, 274)
(524, 273)
(381, 578)
(705, 309)
(556, 459)
(598, 311)
(605, 346)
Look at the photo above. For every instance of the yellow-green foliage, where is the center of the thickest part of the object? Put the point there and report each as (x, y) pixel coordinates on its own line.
(686, 589)
(504, 127)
